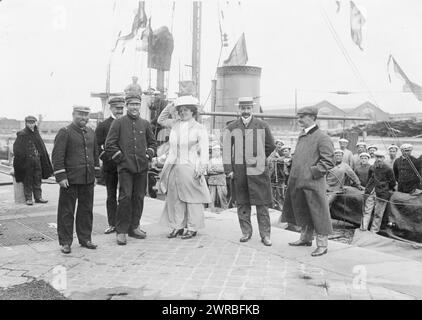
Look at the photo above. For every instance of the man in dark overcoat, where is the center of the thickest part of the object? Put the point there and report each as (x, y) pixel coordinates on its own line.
(31, 162)
(131, 144)
(76, 165)
(306, 203)
(109, 166)
(407, 170)
(247, 144)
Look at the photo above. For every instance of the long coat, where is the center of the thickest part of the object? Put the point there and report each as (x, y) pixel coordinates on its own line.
(25, 144)
(306, 200)
(245, 154)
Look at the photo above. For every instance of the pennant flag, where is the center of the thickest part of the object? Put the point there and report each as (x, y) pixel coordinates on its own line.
(408, 85)
(239, 54)
(357, 20)
(146, 37)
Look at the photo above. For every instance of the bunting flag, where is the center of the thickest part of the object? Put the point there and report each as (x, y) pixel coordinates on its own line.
(239, 54)
(408, 86)
(357, 20)
(146, 37)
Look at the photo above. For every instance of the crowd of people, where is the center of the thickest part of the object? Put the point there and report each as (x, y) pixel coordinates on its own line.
(245, 168)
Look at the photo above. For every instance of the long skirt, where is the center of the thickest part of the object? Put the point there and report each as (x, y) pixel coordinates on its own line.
(178, 214)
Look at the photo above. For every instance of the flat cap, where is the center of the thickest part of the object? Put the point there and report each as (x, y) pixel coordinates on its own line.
(339, 151)
(133, 97)
(406, 146)
(245, 101)
(343, 140)
(361, 143)
(372, 147)
(364, 154)
(393, 146)
(82, 109)
(30, 118)
(313, 111)
(286, 147)
(119, 100)
(379, 154)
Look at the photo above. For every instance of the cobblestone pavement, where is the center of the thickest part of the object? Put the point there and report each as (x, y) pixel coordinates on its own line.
(213, 265)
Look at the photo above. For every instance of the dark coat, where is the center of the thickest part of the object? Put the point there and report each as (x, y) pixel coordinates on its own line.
(131, 143)
(249, 165)
(75, 155)
(405, 174)
(24, 154)
(382, 179)
(101, 133)
(306, 200)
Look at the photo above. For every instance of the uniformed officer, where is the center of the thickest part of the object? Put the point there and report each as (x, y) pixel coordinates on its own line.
(109, 166)
(131, 144)
(76, 164)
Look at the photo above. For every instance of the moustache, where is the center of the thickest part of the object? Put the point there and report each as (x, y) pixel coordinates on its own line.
(246, 114)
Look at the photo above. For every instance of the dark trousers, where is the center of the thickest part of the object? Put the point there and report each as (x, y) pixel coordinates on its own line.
(84, 193)
(32, 182)
(111, 179)
(263, 216)
(131, 200)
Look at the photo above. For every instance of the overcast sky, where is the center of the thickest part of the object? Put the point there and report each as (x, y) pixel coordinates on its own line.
(54, 53)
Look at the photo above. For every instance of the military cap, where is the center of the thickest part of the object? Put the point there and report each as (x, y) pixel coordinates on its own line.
(245, 101)
(379, 154)
(393, 146)
(343, 140)
(364, 154)
(339, 151)
(361, 143)
(30, 118)
(81, 109)
(133, 97)
(313, 111)
(117, 101)
(406, 147)
(372, 147)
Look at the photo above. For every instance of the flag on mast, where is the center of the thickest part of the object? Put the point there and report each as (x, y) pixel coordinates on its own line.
(146, 37)
(357, 20)
(408, 85)
(239, 54)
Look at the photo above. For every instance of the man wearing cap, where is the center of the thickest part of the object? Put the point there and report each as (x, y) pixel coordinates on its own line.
(371, 150)
(131, 145)
(407, 170)
(392, 155)
(156, 107)
(248, 142)
(362, 169)
(361, 147)
(76, 165)
(347, 154)
(134, 87)
(306, 203)
(31, 161)
(377, 192)
(336, 177)
(109, 166)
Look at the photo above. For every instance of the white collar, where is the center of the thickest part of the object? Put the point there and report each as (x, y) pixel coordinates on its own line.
(309, 128)
(113, 116)
(247, 120)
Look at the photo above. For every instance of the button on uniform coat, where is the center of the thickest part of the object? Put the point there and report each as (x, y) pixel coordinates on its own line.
(306, 200)
(252, 183)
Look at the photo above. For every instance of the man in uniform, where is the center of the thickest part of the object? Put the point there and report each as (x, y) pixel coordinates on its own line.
(247, 144)
(131, 144)
(31, 161)
(109, 167)
(347, 154)
(407, 170)
(362, 168)
(76, 165)
(134, 87)
(306, 203)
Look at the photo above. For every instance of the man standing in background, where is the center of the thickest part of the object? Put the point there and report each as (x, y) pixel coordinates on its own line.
(347, 154)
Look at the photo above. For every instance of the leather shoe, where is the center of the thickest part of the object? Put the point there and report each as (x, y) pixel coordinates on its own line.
(89, 245)
(300, 243)
(66, 249)
(29, 202)
(121, 239)
(138, 234)
(189, 234)
(266, 241)
(110, 229)
(245, 238)
(41, 201)
(319, 251)
(175, 233)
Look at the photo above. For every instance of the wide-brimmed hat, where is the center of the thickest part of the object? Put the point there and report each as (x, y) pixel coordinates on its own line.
(186, 101)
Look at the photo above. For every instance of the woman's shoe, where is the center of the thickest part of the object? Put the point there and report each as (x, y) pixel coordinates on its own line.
(175, 233)
(189, 234)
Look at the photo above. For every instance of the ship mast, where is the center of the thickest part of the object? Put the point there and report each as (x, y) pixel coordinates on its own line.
(196, 46)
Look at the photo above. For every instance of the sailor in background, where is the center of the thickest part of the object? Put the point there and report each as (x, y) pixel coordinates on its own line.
(407, 170)
(392, 155)
(76, 165)
(371, 150)
(109, 166)
(361, 147)
(347, 154)
(31, 161)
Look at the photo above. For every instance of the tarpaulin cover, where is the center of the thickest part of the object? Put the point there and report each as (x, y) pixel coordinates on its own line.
(348, 206)
(162, 46)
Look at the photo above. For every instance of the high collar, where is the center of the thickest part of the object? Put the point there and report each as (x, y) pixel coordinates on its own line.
(246, 121)
(78, 128)
(306, 130)
(133, 117)
(310, 130)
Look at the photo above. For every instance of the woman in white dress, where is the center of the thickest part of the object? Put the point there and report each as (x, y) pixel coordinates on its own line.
(182, 178)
